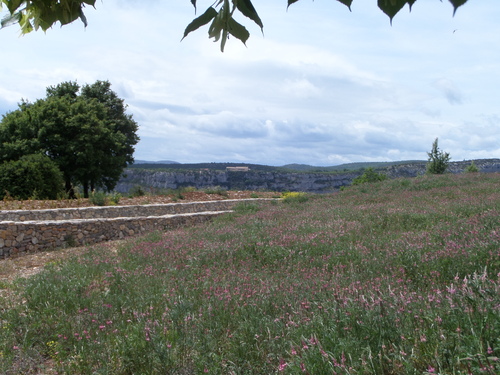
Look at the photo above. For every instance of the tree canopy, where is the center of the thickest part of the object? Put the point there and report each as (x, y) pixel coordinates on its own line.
(42, 14)
(85, 131)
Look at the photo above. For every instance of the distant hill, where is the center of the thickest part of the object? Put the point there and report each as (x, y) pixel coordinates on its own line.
(173, 165)
(197, 166)
(155, 162)
(348, 166)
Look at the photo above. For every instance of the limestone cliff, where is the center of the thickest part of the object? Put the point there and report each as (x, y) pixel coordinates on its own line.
(275, 181)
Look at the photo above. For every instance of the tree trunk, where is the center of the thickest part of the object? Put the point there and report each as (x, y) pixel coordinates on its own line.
(86, 189)
(69, 189)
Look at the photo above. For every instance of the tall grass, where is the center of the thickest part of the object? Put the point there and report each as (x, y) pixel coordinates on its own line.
(396, 277)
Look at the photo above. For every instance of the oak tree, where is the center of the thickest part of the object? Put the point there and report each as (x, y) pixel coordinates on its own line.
(86, 132)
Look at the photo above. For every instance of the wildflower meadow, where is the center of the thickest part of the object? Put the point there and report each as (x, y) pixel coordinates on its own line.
(394, 277)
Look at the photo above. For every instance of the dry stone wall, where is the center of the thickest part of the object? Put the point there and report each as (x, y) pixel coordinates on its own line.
(23, 232)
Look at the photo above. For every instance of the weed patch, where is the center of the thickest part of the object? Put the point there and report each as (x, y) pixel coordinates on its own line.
(399, 279)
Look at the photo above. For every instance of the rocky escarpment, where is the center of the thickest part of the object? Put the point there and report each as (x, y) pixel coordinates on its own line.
(418, 169)
(275, 181)
(250, 180)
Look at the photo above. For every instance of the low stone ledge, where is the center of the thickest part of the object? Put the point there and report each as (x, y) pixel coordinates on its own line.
(27, 237)
(121, 211)
(23, 237)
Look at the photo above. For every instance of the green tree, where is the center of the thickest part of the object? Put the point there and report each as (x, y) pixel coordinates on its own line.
(369, 176)
(35, 14)
(85, 132)
(438, 160)
(31, 176)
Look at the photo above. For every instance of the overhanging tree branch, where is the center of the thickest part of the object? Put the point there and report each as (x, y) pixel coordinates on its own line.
(35, 14)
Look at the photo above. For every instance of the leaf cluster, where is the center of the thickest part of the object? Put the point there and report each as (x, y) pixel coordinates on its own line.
(34, 14)
(222, 23)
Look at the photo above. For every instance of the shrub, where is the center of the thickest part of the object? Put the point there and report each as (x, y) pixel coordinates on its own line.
(438, 160)
(115, 197)
(217, 190)
(291, 197)
(98, 198)
(137, 191)
(472, 168)
(31, 176)
(368, 177)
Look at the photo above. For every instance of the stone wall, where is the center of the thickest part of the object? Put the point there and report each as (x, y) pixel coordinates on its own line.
(116, 211)
(23, 232)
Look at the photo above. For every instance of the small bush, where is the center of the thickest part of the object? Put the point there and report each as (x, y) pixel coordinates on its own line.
(368, 177)
(188, 189)
(298, 197)
(98, 198)
(472, 168)
(217, 190)
(115, 198)
(137, 191)
(32, 176)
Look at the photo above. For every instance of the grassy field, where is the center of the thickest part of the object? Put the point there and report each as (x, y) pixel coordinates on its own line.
(397, 277)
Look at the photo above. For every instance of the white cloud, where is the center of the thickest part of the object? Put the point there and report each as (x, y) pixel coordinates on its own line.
(449, 90)
(324, 85)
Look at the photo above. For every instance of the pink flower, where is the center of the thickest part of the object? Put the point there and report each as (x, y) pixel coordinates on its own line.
(282, 365)
(431, 369)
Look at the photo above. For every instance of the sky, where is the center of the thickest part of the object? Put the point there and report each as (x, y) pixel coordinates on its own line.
(321, 86)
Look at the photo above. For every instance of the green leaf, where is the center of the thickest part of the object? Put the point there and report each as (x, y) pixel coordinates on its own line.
(456, 4)
(347, 3)
(215, 29)
(12, 5)
(205, 18)
(247, 9)
(238, 31)
(223, 40)
(82, 17)
(391, 7)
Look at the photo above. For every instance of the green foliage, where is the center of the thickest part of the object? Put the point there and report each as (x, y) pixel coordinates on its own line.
(98, 198)
(101, 198)
(438, 160)
(137, 191)
(32, 176)
(221, 15)
(295, 197)
(217, 190)
(368, 177)
(472, 168)
(34, 14)
(85, 132)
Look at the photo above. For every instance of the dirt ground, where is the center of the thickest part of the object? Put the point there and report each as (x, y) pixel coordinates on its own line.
(30, 264)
